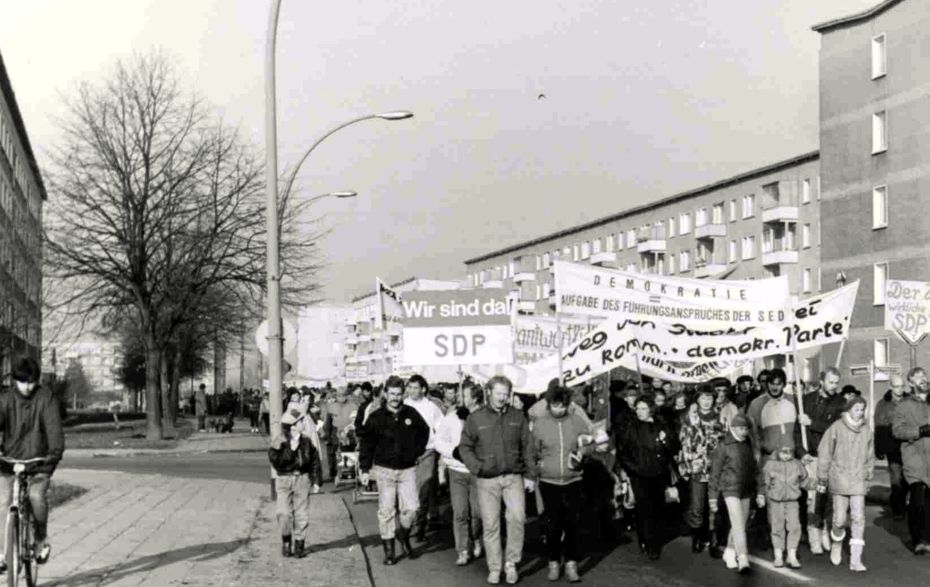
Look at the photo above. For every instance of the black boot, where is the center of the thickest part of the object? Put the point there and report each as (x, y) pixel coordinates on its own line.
(286, 546)
(404, 535)
(299, 551)
(714, 549)
(389, 557)
(697, 541)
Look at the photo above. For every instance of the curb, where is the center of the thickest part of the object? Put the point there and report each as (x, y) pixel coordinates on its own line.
(93, 453)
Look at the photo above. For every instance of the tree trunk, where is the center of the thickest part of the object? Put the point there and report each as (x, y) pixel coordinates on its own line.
(175, 382)
(166, 390)
(153, 428)
(219, 368)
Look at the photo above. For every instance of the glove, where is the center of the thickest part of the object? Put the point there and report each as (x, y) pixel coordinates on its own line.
(462, 412)
(529, 485)
(714, 506)
(365, 478)
(807, 459)
(821, 486)
(924, 430)
(760, 500)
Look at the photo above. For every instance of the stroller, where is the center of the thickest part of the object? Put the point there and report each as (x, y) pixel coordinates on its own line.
(346, 457)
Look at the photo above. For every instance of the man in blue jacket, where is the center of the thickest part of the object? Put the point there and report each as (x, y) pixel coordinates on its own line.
(30, 419)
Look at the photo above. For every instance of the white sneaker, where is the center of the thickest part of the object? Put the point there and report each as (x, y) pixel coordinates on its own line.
(43, 551)
(477, 550)
(494, 578)
(462, 559)
(510, 571)
(729, 558)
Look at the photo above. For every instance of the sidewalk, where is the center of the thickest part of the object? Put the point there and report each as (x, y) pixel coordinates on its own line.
(198, 442)
(156, 530)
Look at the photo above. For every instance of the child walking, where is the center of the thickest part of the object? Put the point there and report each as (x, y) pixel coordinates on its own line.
(845, 466)
(733, 475)
(782, 479)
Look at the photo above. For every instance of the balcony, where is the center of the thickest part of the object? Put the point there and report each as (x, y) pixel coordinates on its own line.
(710, 231)
(779, 213)
(651, 246)
(527, 306)
(604, 258)
(778, 254)
(703, 270)
(524, 276)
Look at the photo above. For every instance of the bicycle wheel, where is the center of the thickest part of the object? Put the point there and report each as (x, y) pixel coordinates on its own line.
(27, 549)
(12, 549)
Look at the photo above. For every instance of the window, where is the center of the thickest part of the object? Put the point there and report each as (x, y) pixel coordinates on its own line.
(819, 234)
(749, 247)
(576, 252)
(684, 261)
(749, 205)
(733, 255)
(879, 207)
(671, 228)
(631, 268)
(671, 264)
(700, 218)
(585, 249)
(596, 246)
(732, 210)
(819, 279)
(879, 276)
(806, 281)
(717, 214)
(806, 191)
(684, 224)
(806, 236)
(879, 133)
(880, 352)
(879, 61)
(660, 266)
(631, 238)
(538, 263)
(609, 243)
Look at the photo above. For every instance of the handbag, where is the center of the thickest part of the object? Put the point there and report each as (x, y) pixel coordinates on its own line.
(671, 492)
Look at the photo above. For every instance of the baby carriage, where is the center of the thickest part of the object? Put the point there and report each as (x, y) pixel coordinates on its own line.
(346, 457)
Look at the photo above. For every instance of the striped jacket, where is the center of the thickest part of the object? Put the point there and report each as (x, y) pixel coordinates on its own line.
(773, 422)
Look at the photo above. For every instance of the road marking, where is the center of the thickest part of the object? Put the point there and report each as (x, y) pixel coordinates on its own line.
(781, 571)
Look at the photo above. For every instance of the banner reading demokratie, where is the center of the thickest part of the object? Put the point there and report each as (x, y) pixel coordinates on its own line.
(596, 291)
(682, 353)
(457, 327)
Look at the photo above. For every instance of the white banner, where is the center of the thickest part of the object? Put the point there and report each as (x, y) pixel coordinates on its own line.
(678, 353)
(458, 345)
(596, 291)
(537, 337)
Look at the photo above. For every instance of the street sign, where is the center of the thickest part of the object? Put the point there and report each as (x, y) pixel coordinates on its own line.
(907, 309)
(287, 331)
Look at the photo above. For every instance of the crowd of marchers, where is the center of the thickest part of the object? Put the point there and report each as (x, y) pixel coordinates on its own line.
(650, 457)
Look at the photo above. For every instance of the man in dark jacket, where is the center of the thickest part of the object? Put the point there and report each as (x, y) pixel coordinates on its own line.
(30, 418)
(392, 440)
(911, 425)
(821, 409)
(888, 447)
(496, 445)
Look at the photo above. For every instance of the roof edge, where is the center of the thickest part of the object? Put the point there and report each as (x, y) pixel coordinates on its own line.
(6, 86)
(797, 160)
(844, 20)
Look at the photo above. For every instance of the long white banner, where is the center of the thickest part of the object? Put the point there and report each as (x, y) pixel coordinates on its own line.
(596, 291)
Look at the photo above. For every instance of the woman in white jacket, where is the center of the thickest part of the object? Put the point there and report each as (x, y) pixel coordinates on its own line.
(466, 520)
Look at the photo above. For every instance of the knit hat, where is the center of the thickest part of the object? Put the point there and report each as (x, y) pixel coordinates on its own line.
(852, 403)
(739, 420)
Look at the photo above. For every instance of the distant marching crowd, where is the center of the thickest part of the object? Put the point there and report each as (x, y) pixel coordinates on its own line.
(634, 452)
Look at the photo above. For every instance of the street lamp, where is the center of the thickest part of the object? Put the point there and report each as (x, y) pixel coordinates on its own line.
(273, 209)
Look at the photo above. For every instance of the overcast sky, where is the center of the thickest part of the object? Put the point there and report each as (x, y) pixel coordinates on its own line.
(642, 100)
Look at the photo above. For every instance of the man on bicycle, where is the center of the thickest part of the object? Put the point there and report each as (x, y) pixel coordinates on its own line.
(30, 419)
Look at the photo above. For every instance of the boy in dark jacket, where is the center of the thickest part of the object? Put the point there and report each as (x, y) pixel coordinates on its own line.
(733, 475)
(392, 439)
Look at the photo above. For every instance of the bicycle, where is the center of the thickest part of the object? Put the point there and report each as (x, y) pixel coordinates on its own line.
(21, 554)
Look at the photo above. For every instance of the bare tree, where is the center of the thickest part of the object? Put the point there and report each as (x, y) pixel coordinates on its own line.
(157, 215)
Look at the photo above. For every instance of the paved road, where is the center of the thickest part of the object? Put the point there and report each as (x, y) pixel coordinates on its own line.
(886, 556)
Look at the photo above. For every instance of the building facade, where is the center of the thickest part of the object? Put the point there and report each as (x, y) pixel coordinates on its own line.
(22, 194)
(762, 223)
(99, 359)
(373, 352)
(874, 145)
(321, 338)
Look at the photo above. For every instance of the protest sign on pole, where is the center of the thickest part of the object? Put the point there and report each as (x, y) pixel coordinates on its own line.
(907, 312)
(457, 327)
(597, 291)
(388, 305)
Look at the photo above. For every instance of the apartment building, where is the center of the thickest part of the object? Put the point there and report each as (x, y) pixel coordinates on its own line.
(100, 360)
(373, 352)
(762, 223)
(321, 336)
(22, 194)
(874, 145)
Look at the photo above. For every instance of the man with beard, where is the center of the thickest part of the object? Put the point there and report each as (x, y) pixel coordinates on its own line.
(773, 418)
(821, 409)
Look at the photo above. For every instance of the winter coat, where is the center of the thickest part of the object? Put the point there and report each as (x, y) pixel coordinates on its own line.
(733, 469)
(647, 448)
(698, 442)
(32, 428)
(554, 439)
(394, 440)
(447, 440)
(823, 412)
(773, 424)
(782, 480)
(886, 445)
(430, 410)
(909, 417)
(846, 457)
(287, 460)
(496, 443)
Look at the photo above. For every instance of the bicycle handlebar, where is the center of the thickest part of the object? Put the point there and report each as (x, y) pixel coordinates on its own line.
(10, 461)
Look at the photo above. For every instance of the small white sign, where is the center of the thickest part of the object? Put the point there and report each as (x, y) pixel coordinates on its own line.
(458, 345)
